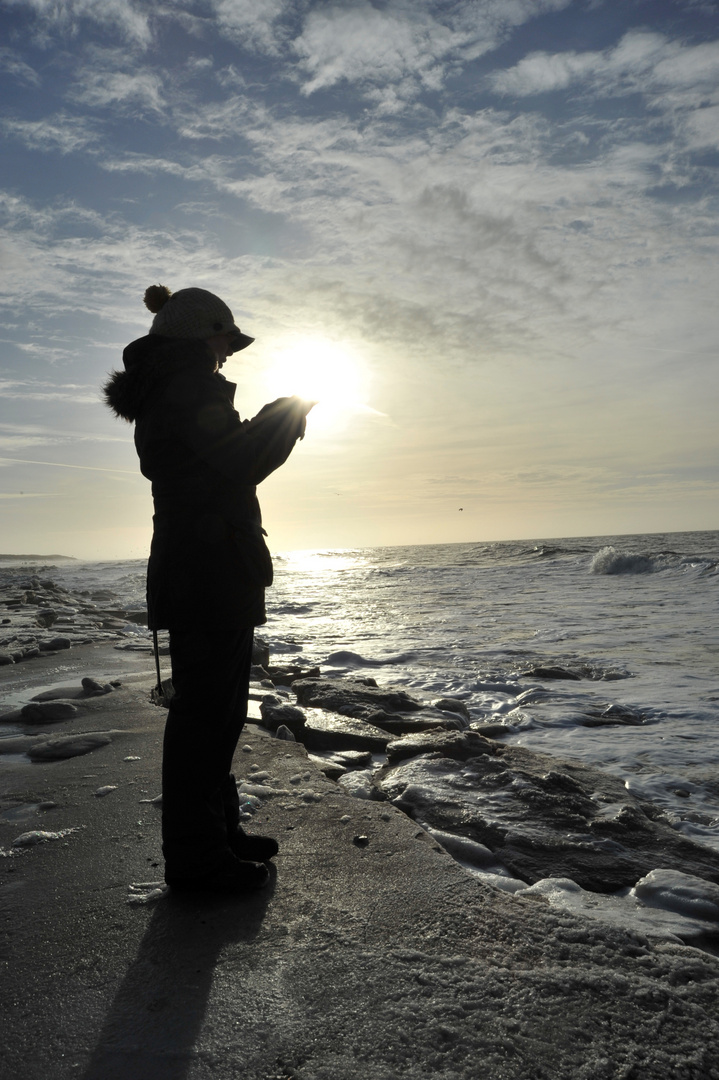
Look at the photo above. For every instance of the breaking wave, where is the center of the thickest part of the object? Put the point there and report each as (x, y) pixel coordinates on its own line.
(610, 561)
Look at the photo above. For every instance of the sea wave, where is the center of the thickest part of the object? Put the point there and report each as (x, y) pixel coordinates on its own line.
(610, 561)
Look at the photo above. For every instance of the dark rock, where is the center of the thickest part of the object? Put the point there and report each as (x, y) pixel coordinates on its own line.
(551, 673)
(164, 695)
(59, 747)
(55, 644)
(353, 759)
(539, 815)
(138, 617)
(92, 688)
(258, 674)
(453, 705)
(613, 714)
(260, 652)
(275, 716)
(283, 732)
(331, 770)
(426, 720)
(352, 697)
(342, 762)
(360, 841)
(328, 731)
(46, 617)
(493, 731)
(48, 712)
(286, 674)
(459, 745)
(5, 659)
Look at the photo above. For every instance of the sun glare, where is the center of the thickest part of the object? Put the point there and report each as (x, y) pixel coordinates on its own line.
(320, 371)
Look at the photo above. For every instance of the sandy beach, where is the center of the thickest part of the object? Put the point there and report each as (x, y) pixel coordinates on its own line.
(372, 953)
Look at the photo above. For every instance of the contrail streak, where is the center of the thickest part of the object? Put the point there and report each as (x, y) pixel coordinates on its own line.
(64, 465)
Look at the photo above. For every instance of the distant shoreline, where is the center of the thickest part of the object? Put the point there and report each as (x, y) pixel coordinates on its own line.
(36, 558)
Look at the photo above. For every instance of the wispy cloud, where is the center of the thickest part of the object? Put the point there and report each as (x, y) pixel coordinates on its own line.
(256, 26)
(33, 390)
(408, 45)
(14, 65)
(65, 133)
(68, 15)
(643, 62)
(106, 81)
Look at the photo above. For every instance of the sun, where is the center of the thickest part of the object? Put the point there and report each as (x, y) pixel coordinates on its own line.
(322, 371)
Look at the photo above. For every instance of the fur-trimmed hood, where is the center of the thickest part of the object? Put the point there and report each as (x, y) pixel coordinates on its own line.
(150, 362)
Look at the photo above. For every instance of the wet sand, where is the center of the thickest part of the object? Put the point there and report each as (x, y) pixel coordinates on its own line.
(371, 954)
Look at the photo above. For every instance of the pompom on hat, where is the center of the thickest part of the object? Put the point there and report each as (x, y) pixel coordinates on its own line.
(192, 313)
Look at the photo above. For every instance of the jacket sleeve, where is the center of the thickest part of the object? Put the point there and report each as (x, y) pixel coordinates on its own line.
(203, 418)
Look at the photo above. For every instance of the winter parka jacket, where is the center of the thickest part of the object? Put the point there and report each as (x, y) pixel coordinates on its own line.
(209, 564)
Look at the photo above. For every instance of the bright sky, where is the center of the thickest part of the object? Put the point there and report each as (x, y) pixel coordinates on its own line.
(483, 232)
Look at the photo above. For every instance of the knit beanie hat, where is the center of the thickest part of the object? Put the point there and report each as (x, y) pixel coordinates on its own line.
(192, 313)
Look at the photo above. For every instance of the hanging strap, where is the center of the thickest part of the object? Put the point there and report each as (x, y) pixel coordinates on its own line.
(157, 663)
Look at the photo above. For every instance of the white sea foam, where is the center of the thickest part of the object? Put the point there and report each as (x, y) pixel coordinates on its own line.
(659, 905)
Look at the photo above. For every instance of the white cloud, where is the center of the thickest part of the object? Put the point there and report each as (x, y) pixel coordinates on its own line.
(252, 24)
(363, 43)
(132, 91)
(213, 120)
(37, 390)
(123, 15)
(60, 132)
(404, 45)
(16, 66)
(143, 163)
(643, 61)
(703, 128)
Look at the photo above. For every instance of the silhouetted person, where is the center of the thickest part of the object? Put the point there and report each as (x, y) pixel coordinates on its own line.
(208, 568)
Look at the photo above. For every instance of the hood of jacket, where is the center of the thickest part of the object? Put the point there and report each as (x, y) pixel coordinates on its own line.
(150, 363)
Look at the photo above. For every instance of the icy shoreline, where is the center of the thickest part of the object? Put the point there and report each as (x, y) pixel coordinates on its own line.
(372, 953)
(518, 820)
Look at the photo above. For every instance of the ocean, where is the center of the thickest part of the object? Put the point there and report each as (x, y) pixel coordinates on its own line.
(632, 618)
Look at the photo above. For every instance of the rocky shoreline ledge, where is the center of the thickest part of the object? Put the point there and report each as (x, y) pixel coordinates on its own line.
(373, 952)
(514, 818)
(39, 616)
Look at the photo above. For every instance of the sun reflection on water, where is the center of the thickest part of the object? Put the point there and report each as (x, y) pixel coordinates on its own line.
(322, 561)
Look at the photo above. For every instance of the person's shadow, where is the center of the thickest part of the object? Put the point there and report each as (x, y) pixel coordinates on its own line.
(158, 1011)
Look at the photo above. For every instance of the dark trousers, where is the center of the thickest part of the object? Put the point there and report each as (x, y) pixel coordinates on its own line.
(211, 676)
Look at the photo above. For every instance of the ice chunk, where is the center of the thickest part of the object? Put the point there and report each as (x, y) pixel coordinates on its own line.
(359, 783)
(629, 912)
(683, 893)
(39, 836)
(146, 892)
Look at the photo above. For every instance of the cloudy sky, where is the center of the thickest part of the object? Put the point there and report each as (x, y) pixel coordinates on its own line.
(489, 225)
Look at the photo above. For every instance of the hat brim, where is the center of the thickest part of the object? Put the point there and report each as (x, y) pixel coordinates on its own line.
(239, 341)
